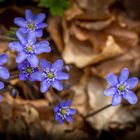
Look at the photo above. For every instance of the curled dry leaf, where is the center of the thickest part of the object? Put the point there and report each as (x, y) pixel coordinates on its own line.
(80, 53)
(130, 59)
(100, 11)
(30, 114)
(54, 29)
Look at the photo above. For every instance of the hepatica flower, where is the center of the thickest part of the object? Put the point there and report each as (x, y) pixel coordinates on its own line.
(50, 75)
(121, 87)
(4, 73)
(26, 70)
(32, 23)
(28, 48)
(64, 112)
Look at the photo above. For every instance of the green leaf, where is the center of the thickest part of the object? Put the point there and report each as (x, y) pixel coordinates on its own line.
(12, 33)
(46, 3)
(57, 11)
(56, 7)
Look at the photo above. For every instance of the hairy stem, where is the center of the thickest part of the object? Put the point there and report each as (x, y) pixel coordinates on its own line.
(98, 111)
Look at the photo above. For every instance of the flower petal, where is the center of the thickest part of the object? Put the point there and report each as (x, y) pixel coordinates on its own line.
(44, 86)
(16, 46)
(68, 103)
(57, 85)
(20, 21)
(4, 73)
(20, 66)
(3, 59)
(132, 82)
(36, 76)
(33, 60)
(110, 91)
(21, 37)
(124, 75)
(130, 97)
(1, 87)
(62, 104)
(112, 79)
(72, 111)
(60, 121)
(21, 57)
(58, 64)
(69, 119)
(23, 65)
(22, 76)
(116, 99)
(62, 76)
(44, 64)
(56, 108)
(30, 78)
(28, 15)
(23, 30)
(31, 38)
(42, 47)
(41, 25)
(39, 17)
(38, 33)
(57, 117)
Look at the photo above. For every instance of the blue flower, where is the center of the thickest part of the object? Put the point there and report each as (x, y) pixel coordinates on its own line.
(26, 70)
(64, 112)
(32, 23)
(28, 48)
(4, 73)
(50, 75)
(121, 87)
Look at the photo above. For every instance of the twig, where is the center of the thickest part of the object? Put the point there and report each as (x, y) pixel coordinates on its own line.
(96, 112)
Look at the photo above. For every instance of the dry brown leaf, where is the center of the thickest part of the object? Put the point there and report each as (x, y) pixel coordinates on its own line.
(130, 59)
(81, 54)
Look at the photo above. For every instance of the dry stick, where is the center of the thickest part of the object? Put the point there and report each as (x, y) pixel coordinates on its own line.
(96, 112)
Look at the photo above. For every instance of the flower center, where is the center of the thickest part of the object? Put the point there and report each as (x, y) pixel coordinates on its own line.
(29, 70)
(29, 48)
(31, 26)
(63, 111)
(121, 88)
(50, 75)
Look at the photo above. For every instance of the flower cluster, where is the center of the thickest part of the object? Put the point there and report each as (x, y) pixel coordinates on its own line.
(121, 87)
(29, 48)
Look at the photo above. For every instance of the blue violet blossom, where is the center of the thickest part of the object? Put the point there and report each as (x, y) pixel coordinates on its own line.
(64, 112)
(26, 70)
(121, 87)
(32, 23)
(4, 73)
(28, 48)
(50, 75)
